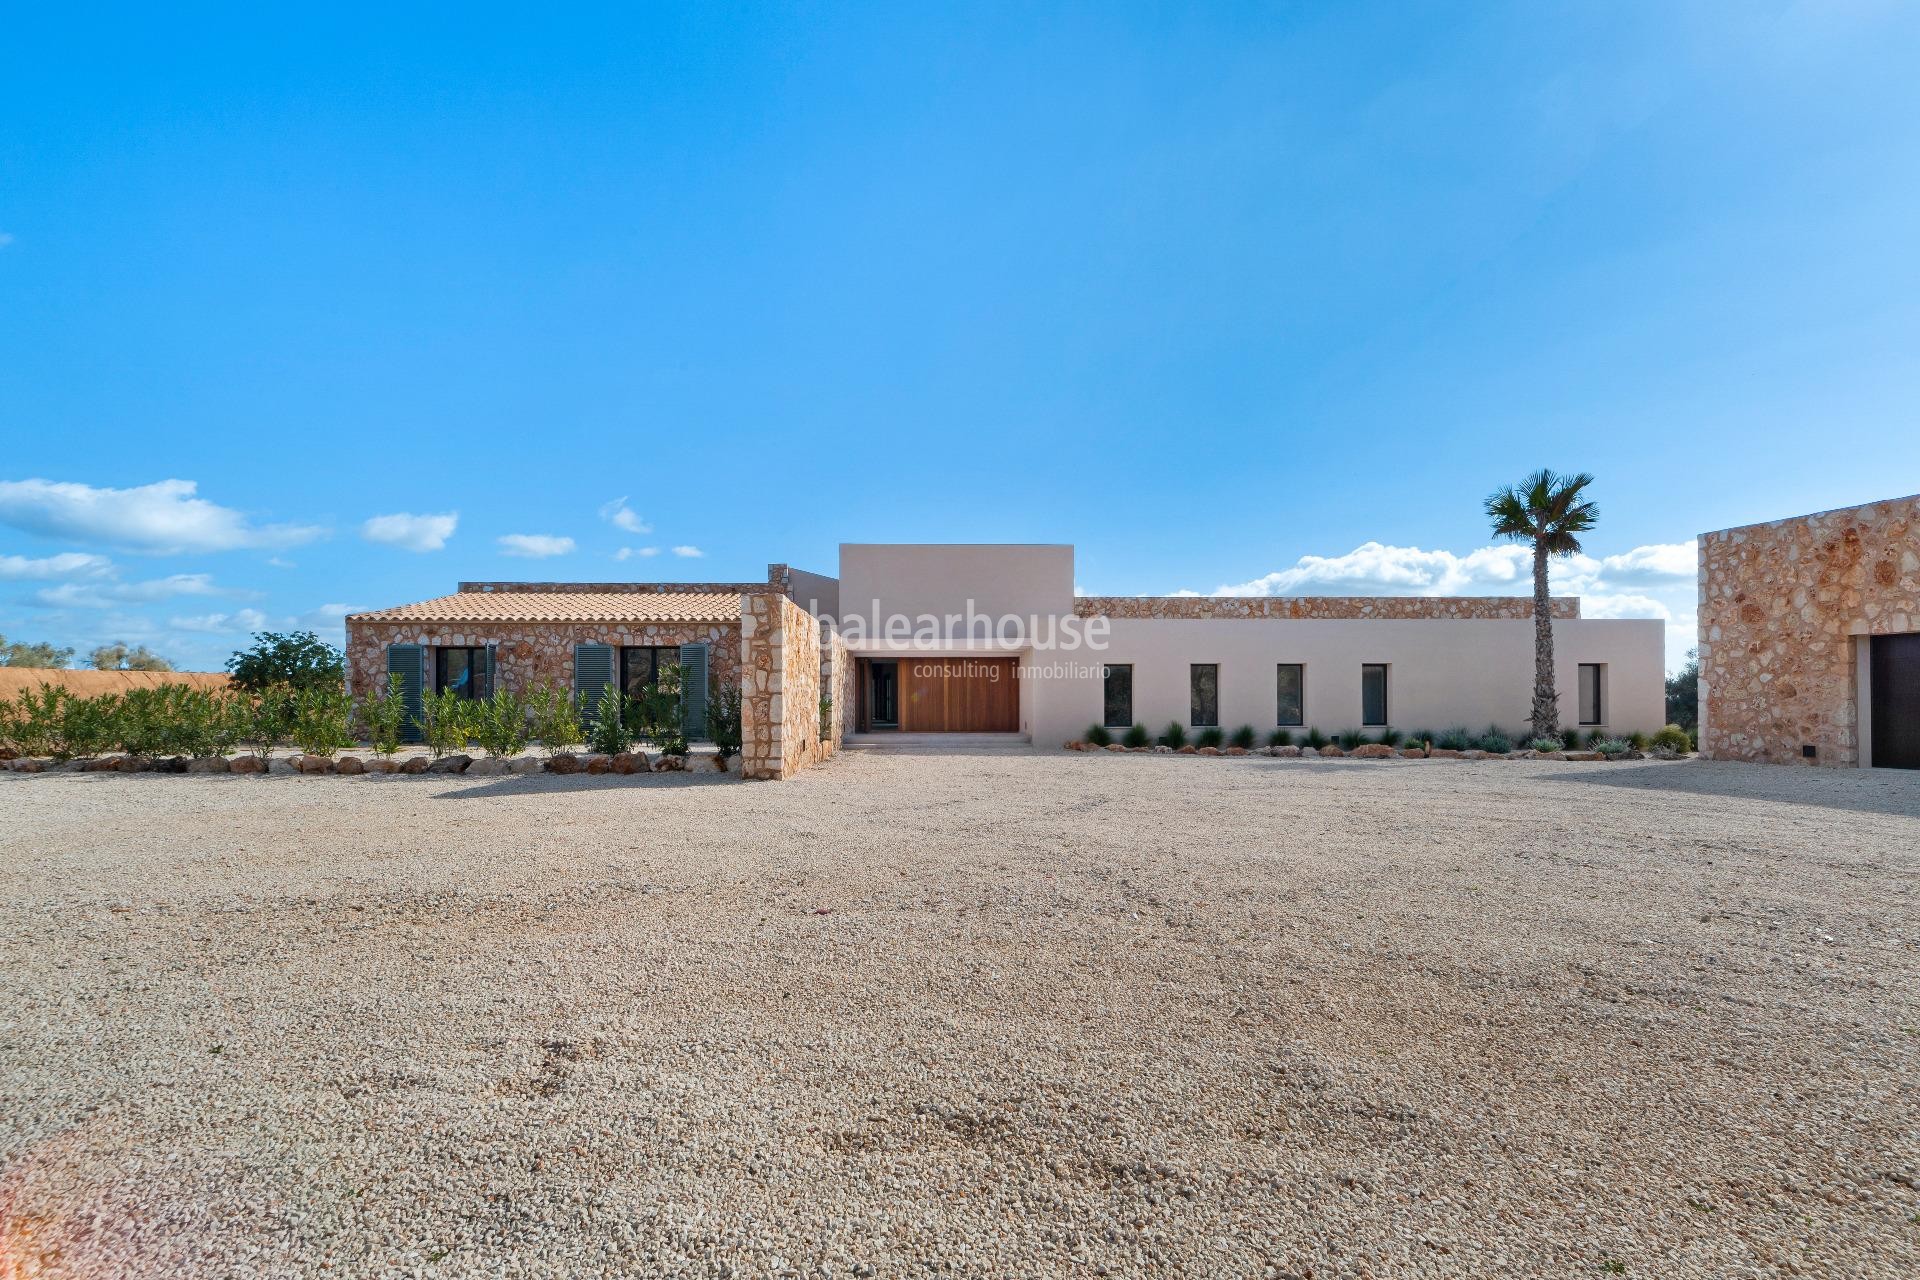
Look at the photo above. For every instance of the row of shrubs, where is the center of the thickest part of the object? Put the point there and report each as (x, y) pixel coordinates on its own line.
(1459, 738)
(177, 720)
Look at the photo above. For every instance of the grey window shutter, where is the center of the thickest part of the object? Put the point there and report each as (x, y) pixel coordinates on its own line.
(592, 673)
(483, 687)
(693, 690)
(408, 661)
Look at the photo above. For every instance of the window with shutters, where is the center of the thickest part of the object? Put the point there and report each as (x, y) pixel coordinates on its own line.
(463, 670)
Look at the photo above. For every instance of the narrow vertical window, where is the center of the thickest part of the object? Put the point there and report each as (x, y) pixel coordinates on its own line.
(1373, 693)
(1592, 693)
(1206, 695)
(1292, 694)
(1119, 704)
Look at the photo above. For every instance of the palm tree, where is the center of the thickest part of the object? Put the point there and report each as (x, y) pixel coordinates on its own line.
(1549, 511)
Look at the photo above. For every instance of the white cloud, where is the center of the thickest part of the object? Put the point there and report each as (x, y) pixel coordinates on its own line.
(68, 564)
(535, 546)
(410, 532)
(1659, 562)
(106, 595)
(162, 518)
(1603, 605)
(1376, 568)
(691, 553)
(624, 517)
(628, 553)
(238, 622)
(279, 563)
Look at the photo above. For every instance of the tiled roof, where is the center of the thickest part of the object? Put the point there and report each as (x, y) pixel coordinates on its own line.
(602, 606)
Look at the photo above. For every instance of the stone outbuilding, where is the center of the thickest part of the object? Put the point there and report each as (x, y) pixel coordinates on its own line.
(1810, 638)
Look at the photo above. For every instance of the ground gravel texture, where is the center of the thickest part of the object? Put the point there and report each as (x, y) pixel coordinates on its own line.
(965, 1015)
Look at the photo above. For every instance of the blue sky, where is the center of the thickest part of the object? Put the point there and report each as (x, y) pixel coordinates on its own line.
(1251, 296)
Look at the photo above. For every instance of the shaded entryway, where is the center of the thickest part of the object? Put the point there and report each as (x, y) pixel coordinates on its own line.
(1895, 687)
(937, 695)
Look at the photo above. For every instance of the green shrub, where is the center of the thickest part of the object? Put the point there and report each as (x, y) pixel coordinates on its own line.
(300, 660)
(1546, 744)
(1639, 741)
(826, 717)
(1493, 740)
(1572, 737)
(1210, 737)
(1351, 738)
(384, 717)
(611, 731)
(1390, 737)
(1673, 738)
(655, 715)
(1280, 738)
(446, 721)
(269, 720)
(1607, 746)
(322, 720)
(1098, 736)
(1243, 737)
(1422, 738)
(500, 723)
(1316, 739)
(556, 717)
(723, 718)
(1175, 736)
(1458, 738)
(1136, 736)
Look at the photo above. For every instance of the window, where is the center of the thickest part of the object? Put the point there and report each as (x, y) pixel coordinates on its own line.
(1592, 692)
(1206, 695)
(641, 666)
(1291, 684)
(463, 671)
(1119, 706)
(1373, 693)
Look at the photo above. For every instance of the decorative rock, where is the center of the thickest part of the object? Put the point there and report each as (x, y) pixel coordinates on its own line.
(350, 765)
(315, 764)
(1114, 746)
(491, 767)
(1188, 750)
(416, 764)
(105, 764)
(1236, 751)
(563, 763)
(209, 764)
(1414, 753)
(669, 764)
(134, 764)
(1287, 752)
(1471, 753)
(379, 765)
(1582, 755)
(283, 764)
(596, 763)
(247, 764)
(707, 764)
(1162, 749)
(1206, 751)
(170, 764)
(1546, 755)
(1132, 750)
(521, 766)
(450, 764)
(21, 764)
(1372, 751)
(1331, 750)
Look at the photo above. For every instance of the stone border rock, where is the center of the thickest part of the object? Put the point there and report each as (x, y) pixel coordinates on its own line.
(1377, 751)
(627, 763)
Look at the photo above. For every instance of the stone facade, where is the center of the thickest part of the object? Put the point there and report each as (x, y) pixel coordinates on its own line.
(836, 678)
(1479, 608)
(529, 654)
(1781, 605)
(618, 588)
(780, 688)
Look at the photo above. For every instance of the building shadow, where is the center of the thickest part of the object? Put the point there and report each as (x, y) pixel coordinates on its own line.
(541, 784)
(1889, 791)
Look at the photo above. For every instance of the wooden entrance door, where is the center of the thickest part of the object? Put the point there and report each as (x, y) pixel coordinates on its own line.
(1895, 675)
(960, 695)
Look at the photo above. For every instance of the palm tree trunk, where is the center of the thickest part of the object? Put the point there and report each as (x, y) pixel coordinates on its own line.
(1546, 705)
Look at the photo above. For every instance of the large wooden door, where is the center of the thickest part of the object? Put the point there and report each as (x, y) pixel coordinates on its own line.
(1896, 701)
(960, 695)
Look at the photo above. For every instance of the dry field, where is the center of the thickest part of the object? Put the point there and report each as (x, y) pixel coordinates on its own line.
(993, 1015)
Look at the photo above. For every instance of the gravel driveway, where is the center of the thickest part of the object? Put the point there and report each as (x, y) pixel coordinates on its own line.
(965, 1014)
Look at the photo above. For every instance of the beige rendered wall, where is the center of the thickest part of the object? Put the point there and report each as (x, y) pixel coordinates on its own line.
(1443, 672)
(1782, 608)
(1026, 580)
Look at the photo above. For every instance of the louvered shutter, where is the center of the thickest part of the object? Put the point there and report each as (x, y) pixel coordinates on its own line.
(408, 661)
(693, 690)
(483, 687)
(592, 673)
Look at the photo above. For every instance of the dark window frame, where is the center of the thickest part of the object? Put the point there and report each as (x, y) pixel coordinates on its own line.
(654, 652)
(1386, 688)
(471, 690)
(1107, 673)
(1599, 693)
(1300, 691)
(1193, 695)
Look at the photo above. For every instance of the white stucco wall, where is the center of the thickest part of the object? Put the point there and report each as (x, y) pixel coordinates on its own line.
(1023, 579)
(1442, 672)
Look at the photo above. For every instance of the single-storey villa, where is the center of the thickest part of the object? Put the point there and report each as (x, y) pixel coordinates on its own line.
(1810, 638)
(992, 639)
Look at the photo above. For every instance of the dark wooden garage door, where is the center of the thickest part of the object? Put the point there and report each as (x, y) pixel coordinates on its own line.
(959, 695)
(1896, 701)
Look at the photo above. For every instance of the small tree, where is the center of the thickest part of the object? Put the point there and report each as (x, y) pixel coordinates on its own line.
(42, 655)
(118, 657)
(384, 717)
(556, 717)
(500, 723)
(298, 660)
(610, 734)
(723, 719)
(322, 720)
(1551, 512)
(446, 721)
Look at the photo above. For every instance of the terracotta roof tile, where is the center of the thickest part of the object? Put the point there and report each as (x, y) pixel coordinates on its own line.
(603, 606)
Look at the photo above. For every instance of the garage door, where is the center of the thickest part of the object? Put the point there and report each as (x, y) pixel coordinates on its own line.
(1896, 701)
(960, 695)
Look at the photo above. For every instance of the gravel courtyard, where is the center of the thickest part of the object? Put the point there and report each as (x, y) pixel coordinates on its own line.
(965, 1014)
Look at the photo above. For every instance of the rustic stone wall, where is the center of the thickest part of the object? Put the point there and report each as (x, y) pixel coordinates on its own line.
(1780, 607)
(1488, 608)
(836, 677)
(531, 653)
(779, 688)
(610, 588)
